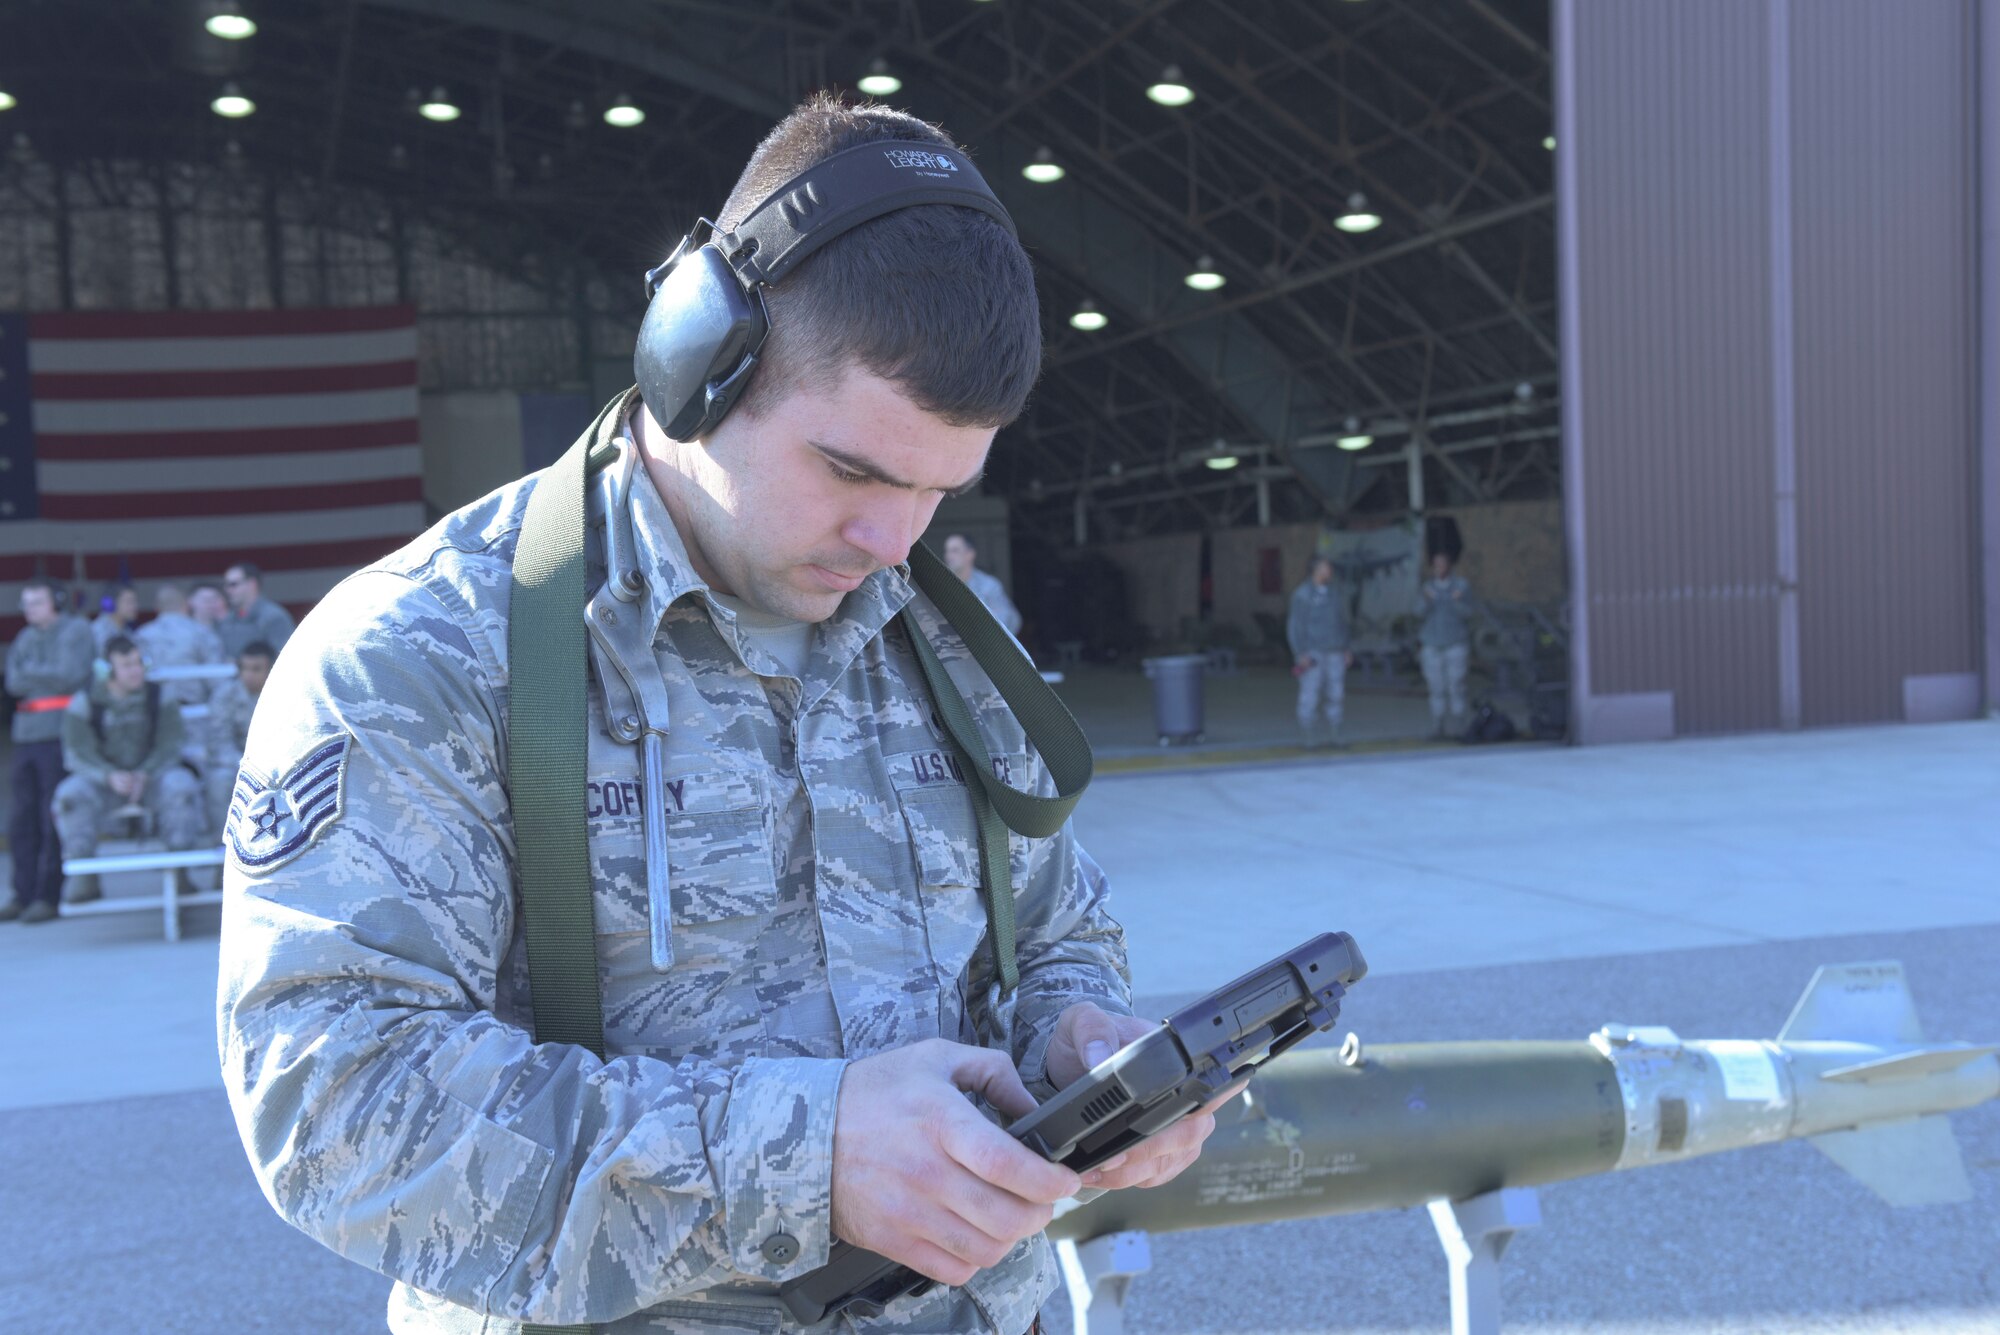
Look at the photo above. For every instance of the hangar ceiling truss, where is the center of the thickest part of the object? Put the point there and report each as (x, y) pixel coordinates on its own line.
(1433, 333)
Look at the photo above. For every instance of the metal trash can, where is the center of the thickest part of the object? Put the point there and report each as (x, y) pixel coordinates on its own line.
(1177, 696)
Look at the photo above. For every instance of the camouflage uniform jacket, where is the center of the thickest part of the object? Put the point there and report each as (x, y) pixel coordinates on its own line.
(130, 740)
(44, 661)
(374, 1012)
(174, 639)
(229, 714)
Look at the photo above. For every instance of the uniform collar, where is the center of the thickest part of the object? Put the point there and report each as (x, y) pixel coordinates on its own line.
(671, 576)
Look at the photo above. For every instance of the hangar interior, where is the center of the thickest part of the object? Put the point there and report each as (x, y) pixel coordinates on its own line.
(1296, 260)
(1298, 264)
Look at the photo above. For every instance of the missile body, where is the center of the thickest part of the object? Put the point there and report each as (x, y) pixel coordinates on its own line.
(1393, 1126)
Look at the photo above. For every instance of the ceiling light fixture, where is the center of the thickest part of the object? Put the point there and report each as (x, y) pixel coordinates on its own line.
(439, 107)
(878, 82)
(7, 102)
(1087, 317)
(1222, 463)
(622, 113)
(1043, 169)
(1204, 277)
(228, 21)
(1549, 142)
(1359, 217)
(1352, 437)
(231, 103)
(1168, 90)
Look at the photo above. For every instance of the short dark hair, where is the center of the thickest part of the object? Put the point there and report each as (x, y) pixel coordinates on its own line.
(249, 569)
(257, 649)
(42, 582)
(962, 538)
(937, 298)
(119, 644)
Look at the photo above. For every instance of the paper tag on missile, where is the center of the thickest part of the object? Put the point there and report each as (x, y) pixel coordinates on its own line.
(1748, 1073)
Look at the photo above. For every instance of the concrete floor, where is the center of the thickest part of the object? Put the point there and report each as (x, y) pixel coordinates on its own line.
(1500, 893)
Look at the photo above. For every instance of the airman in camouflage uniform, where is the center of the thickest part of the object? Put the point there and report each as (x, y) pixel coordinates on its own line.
(175, 639)
(227, 729)
(770, 1005)
(825, 906)
(122, 746)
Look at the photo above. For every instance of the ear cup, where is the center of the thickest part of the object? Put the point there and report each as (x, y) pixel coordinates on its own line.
(698, 344)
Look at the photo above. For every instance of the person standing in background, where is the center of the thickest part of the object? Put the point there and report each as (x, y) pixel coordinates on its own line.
(252, 616)
(962, 557)
(1445, 639)
(49, 661)
(1316, 629)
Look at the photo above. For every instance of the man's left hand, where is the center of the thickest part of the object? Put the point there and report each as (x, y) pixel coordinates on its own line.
(1086, 1036)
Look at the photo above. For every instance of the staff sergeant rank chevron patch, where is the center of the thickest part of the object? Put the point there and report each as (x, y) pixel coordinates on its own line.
(273, 821)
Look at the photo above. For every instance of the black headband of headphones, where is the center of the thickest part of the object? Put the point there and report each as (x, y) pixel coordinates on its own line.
(846, 190)
(705, 319)
(840, 193)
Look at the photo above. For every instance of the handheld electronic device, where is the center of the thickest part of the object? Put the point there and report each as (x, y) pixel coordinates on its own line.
(1141, 1089)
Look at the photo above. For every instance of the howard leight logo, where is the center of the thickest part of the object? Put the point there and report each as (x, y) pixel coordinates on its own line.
(920, 160)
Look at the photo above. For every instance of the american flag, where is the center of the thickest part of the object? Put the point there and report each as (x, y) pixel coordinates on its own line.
(150, 446)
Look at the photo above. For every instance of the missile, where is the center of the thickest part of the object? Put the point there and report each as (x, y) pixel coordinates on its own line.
(1392, 1126)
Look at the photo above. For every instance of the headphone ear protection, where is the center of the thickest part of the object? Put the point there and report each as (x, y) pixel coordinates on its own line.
(699, 343)
(705, 316)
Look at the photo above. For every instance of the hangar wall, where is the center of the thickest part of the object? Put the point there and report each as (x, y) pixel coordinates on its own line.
(1766, 225)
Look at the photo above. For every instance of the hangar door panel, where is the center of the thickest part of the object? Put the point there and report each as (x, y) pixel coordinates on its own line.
(1885, 290)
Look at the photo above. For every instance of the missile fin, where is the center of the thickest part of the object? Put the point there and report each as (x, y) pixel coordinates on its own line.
(1861, 1003)
(1905, 1163)
(1909, 1065)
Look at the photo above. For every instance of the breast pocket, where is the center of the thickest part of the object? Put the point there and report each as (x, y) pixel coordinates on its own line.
(720, 887)
(721, 872)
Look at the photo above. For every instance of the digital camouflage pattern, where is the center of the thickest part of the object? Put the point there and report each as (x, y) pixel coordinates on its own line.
(131, 740)
(374, 1008)
(174, 639)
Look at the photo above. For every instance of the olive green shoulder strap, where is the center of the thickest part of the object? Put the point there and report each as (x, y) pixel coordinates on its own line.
(547, 718)
(1050, 728)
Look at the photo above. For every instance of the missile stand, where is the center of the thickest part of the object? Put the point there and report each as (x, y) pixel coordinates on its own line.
(1474, 1233)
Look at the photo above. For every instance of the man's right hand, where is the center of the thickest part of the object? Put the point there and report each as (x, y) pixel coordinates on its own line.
(919, 1176)
(1304, 661)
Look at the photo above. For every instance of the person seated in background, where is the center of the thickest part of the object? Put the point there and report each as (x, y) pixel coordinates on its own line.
(1445, 642)
(207, 605)
(1316, 628)
(229, 713)
(175, 639)
(252, 616)
(122, 745)
(961, 556)
(120, 617)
